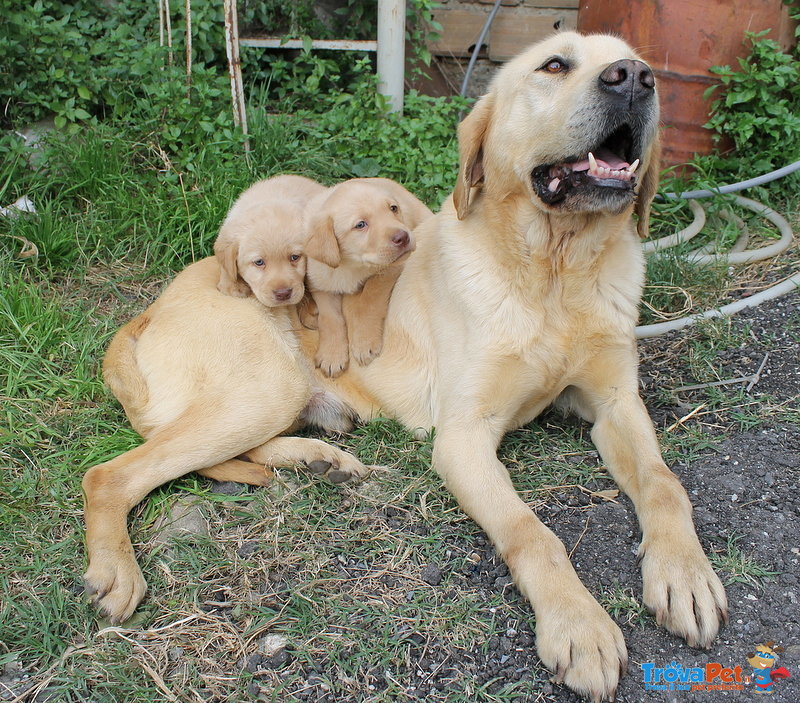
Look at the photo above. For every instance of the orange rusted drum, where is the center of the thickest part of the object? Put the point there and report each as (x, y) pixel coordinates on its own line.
(681, 40)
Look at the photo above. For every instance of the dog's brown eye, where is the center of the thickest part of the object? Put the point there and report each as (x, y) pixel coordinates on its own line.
(394, 208)
(259, 262)
(294, 257)
(555, 66)
(360, 224)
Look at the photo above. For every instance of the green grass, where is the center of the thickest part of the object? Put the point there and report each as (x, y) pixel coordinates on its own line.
(738, 567)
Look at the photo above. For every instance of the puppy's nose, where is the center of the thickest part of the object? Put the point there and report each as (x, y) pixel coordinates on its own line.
(628, 78)
(282, 294)
(400, 239)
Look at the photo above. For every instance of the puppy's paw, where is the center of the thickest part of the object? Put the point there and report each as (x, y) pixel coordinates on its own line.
(115, 586)
(682, 590)
(365, 348)
(578, 641)
(331, 363)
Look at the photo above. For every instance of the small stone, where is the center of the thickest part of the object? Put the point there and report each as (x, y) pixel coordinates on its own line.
(431, 574)
(228, 488)
(253, 689)
(271, 644)
(253, 663)
(248, 549)
(185, 518)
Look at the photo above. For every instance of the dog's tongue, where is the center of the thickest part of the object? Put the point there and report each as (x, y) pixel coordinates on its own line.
(605, 158)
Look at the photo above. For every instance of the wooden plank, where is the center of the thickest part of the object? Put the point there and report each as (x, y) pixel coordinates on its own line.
(335, 44)
(558, 4)
(461, 27)
(539, 4)
(511, 33)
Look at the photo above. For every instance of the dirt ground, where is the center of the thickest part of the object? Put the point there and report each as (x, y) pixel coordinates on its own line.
(746, 489)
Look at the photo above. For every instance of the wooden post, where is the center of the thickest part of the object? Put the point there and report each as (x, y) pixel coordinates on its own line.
(235, 68)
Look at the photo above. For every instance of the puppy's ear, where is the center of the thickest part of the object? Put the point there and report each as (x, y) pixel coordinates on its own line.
(471, 135)
(226, 249)
(412, 210)
(647, 189)
(322, 244)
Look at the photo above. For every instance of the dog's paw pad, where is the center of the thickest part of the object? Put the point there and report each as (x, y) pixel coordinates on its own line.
(338, 476)
(319, 466)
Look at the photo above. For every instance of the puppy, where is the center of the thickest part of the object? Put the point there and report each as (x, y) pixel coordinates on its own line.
(360, 234)
(260, 247)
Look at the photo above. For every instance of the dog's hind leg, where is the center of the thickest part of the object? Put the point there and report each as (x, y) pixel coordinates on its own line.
(198, 439)
(239, 471)
(317, 456)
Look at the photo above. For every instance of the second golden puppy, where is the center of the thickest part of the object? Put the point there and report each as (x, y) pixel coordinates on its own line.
(260, 247)
(360, 235)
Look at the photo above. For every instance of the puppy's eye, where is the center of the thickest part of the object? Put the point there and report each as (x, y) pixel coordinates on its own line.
(394, 208)
(361, 224)
(260, 263)
(294, 257)
(555, 65)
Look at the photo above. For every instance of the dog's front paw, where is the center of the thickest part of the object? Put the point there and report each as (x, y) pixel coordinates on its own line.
(116, 586)
(682, 590)
(331, 363)
(578, 641)
(364, 348)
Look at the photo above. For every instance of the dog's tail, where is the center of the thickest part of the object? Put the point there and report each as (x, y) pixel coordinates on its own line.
(122, 375)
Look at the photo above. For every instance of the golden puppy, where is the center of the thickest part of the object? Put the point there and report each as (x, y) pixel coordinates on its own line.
(260, 247)
(360, 233)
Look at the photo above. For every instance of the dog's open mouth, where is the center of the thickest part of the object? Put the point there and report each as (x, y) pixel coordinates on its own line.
(611, 165)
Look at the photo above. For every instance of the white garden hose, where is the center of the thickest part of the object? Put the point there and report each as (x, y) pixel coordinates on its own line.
(787, 286)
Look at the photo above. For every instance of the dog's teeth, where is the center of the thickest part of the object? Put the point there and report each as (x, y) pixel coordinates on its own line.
(554, 185)
(592, 162)
(632, 168)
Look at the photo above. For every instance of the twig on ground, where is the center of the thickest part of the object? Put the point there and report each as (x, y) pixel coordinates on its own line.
(694, 412)
(580, 537)
(752, 380)
(757, 374)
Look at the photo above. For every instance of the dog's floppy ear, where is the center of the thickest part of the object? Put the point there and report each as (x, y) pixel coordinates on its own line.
(471, 135)
(647, 189)
(226, 249)
(413, 210)
(322, 244)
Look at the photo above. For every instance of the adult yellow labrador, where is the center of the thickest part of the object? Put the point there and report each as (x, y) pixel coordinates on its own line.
(523, 293)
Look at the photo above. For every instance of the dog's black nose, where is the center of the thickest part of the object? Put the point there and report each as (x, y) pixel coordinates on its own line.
(282, 294)
(628, 79)
(400, 239)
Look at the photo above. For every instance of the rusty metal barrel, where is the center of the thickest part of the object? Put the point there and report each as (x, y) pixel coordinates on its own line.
(682, 40)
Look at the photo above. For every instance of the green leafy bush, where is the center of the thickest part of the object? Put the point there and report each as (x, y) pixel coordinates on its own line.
(757, 107)
(760, 107)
